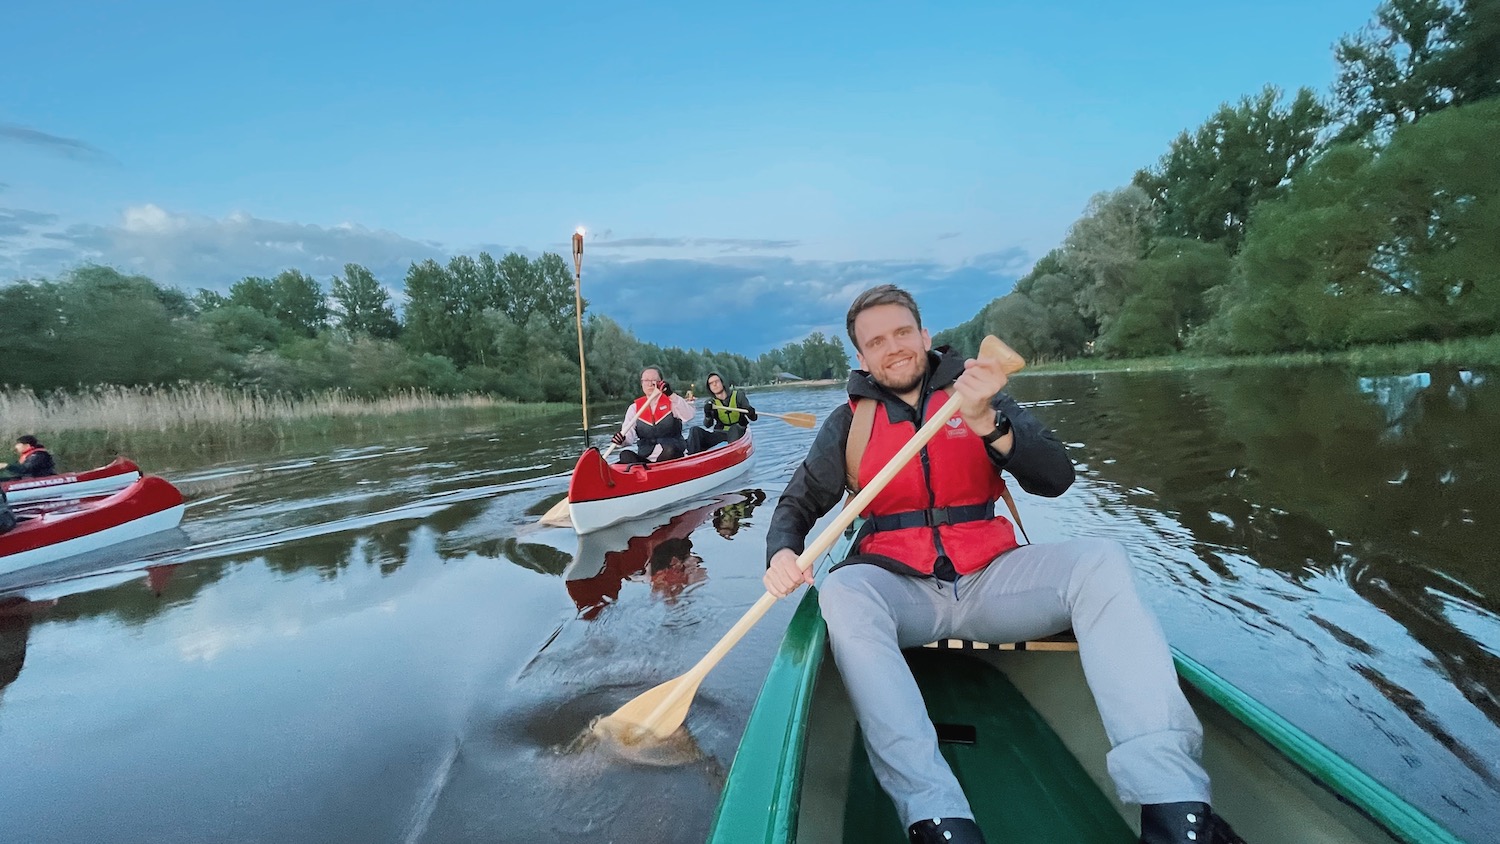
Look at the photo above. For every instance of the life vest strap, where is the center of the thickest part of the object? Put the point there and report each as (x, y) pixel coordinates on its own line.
(933, 517)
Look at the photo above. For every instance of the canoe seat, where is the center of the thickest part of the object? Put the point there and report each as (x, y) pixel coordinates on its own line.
(1064, 641)
(1022, 781)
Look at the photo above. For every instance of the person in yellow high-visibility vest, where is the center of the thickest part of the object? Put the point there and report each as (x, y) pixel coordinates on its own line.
(726, 414)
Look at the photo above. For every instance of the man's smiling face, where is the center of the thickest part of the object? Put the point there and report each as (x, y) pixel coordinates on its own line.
(892, 348)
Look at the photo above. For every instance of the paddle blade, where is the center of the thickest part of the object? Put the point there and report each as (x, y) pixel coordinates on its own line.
(647, 717)
(559, 516)
(801, 420)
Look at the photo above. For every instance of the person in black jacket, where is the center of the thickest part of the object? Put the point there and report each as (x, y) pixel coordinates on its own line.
(726, 414)
(935, 561)
(33, 460)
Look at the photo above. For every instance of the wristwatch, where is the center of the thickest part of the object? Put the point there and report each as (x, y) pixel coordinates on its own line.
(1002, 427)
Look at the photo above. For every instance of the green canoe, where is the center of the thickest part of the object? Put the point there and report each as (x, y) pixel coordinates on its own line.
(1026, 741)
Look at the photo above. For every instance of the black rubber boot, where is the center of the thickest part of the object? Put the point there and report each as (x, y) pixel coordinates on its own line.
(945, 831)
(1184, 823)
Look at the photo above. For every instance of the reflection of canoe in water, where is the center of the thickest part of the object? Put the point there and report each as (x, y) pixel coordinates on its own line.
(602, 494)
(607, 558)
(1020, 730)
(101, 481)
(148, 506)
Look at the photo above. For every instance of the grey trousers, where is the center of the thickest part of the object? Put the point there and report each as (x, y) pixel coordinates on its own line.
(1027, 593)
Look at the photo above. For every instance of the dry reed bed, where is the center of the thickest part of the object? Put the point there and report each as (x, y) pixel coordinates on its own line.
(113, 418)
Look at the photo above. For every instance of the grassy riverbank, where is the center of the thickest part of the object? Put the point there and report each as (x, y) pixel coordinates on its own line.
(1473, 351)
(91, 424)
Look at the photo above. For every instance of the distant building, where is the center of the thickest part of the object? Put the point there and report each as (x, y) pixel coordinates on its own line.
(787, 376)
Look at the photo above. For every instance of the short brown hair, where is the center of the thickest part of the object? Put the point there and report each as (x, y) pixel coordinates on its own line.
(881, 294)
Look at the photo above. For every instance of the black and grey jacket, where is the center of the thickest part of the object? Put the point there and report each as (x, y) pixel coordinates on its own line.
(1037, 461)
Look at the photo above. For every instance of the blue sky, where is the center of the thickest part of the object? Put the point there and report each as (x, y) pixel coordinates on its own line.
(755, 163)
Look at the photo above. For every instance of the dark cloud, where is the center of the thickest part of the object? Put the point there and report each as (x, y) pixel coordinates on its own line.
(751, 304)
(15, 222)
(735, 301)
(948, 235)
(67, 147)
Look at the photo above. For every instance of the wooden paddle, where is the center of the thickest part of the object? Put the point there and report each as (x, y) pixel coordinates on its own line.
(660, 711)
(801, 420)
(560, 515)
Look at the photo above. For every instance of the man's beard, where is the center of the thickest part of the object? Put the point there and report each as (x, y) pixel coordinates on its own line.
(899, 388)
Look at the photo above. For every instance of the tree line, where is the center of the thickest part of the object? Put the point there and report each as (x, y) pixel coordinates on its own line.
(503, 327)
(1300, 223)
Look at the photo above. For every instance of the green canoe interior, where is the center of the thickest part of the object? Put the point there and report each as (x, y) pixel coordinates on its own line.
(1023, 783)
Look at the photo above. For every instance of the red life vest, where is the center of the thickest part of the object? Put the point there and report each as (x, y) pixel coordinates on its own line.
(654, 423)
(655, 412)
(953, 471)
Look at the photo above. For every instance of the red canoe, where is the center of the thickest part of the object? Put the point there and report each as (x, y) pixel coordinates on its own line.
(145, 507)
(601, 493)
(101, 481)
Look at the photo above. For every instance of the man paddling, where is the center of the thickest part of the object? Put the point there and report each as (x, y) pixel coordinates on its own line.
(33, 460)
(934, 561)
(726, 414)
(653, 423)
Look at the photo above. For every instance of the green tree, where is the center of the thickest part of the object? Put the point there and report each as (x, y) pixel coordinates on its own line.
(362, 305)
(431, 312)
(121, 329)
(517, 287)
(254, 292)
(29, 345)
(1376, 245)
(824, 357)
(554, 290)
(206, 300)
(1106, 245)
(300, 304)
(1397, 68)
(614, 357)
(1206, 184)
(1471, 64)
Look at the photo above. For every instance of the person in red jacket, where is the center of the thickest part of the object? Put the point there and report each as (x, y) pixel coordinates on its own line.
(934, 561)
(32, 461)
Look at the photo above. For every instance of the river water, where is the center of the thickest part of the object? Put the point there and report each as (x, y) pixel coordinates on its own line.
(378, 642)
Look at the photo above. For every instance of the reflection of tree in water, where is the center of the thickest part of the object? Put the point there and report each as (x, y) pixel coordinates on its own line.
(731, 517)
(1315, 472)
(537, 557)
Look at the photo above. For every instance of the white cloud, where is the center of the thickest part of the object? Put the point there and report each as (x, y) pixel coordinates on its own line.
(192, 251)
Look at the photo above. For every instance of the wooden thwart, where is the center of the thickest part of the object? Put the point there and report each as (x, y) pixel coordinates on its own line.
(1064, 641)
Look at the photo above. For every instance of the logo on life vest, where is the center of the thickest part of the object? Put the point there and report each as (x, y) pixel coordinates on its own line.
(957, 428)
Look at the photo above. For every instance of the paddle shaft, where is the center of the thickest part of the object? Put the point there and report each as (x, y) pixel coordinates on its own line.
(689, 681)
(804, 420)
(718, 406)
